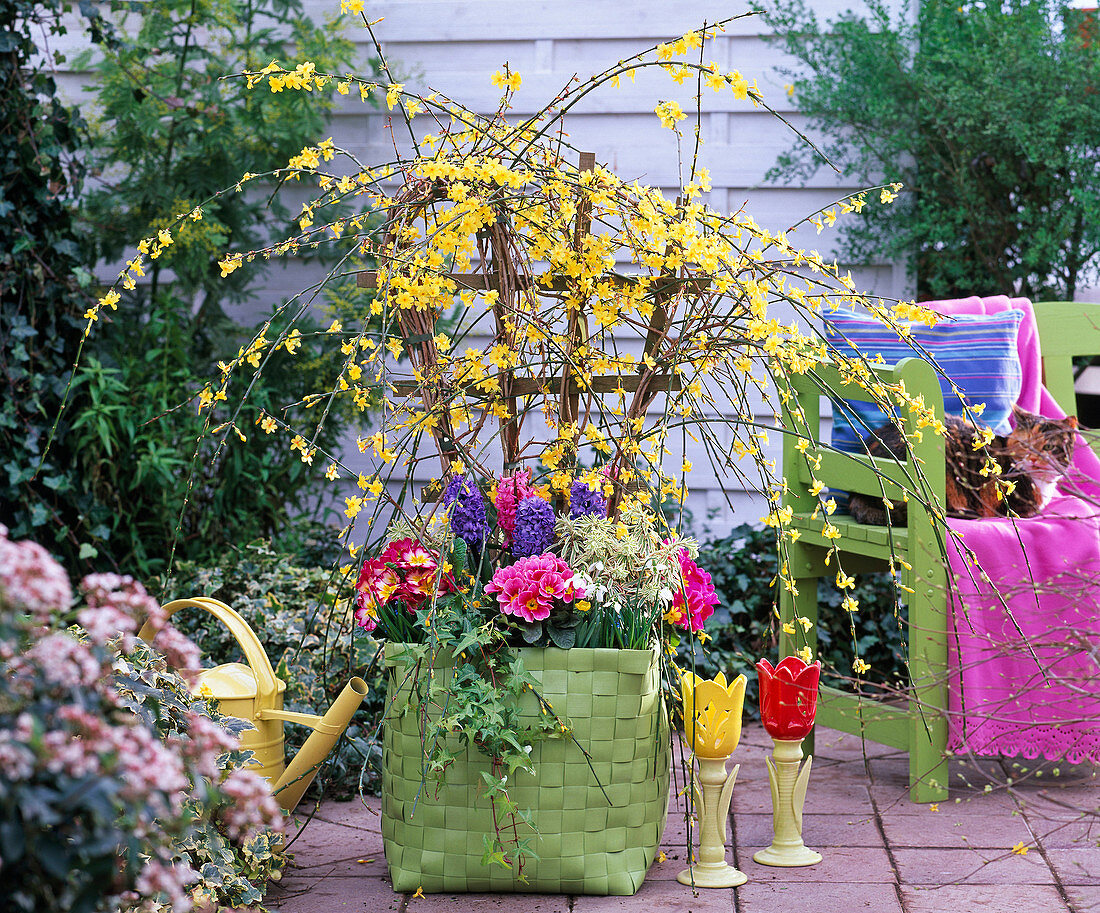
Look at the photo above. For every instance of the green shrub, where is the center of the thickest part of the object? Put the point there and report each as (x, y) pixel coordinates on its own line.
(745, 625)
(988, 115)
(173, 131)
(171, 134)
(163, 481)
(310, 637)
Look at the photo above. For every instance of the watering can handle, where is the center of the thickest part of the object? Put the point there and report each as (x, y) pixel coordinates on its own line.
(267, 686)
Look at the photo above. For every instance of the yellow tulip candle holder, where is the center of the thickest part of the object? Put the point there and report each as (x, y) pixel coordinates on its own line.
(712, 720)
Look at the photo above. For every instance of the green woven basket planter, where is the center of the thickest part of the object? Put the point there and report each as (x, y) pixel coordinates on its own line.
(587, 844)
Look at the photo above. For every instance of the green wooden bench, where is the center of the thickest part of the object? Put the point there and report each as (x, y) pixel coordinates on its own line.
(916, 724)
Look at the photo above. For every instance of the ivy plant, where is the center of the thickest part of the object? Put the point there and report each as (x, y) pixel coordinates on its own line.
(44, 283)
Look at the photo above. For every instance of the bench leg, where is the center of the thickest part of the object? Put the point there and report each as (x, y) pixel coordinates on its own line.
(928, 771)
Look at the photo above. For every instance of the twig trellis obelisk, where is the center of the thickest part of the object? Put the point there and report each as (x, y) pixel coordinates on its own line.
(503, 272)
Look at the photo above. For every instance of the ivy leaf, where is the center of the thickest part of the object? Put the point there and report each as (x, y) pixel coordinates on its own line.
(494, 853)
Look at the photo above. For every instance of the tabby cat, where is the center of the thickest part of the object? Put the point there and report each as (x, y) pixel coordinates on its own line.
(1034, 455)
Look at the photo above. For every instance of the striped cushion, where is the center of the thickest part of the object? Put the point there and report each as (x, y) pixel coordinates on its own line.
(977, 351)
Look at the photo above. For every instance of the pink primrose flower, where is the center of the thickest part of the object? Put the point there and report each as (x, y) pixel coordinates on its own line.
(530, 588)
(701, 596)
(405, 571)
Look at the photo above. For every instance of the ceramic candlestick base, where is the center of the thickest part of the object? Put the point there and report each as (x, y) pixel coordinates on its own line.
(713, 792)
(788, 796)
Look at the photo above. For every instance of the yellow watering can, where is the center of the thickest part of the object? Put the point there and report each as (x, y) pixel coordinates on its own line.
(252, 692)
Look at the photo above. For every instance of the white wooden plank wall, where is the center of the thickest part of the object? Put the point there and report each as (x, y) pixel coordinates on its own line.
(453, 46)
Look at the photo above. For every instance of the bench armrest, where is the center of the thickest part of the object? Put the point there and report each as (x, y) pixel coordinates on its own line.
(922, 473)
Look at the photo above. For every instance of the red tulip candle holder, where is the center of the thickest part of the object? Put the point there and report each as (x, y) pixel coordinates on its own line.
(788, 700)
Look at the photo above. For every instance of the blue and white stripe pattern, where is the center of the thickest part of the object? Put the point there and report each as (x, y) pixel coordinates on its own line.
(977, 351)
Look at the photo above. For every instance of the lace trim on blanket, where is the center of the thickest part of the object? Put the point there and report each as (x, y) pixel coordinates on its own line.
(1076, 744)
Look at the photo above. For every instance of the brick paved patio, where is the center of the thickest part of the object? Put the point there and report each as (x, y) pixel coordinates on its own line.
(882, 853)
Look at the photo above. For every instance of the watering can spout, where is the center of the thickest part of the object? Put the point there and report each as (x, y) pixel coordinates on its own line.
(301, 770)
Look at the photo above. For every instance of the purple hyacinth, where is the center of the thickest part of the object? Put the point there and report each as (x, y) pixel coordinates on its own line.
(584, 502)
(534, 527)
(468, 520)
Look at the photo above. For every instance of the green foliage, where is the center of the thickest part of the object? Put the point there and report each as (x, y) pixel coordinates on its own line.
(297, 614)
(232, 872)
(744, 626)
(174, 131)
(987, 113)
(43, 277)
(171, 134)
(163, 480)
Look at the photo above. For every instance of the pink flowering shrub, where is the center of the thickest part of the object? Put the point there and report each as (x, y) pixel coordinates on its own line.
(112, 776)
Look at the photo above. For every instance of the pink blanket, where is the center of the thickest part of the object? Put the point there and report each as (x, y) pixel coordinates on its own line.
(1026, 644)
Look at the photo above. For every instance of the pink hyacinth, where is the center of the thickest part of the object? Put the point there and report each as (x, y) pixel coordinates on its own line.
(510, 490)
(701, 596)
(529, 588)
(406, 570)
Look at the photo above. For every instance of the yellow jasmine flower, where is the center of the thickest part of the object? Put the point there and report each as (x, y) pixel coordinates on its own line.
(669, 112)
(229, 264)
